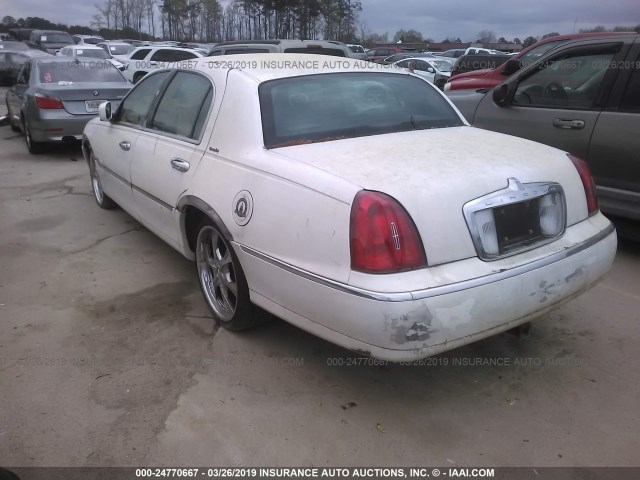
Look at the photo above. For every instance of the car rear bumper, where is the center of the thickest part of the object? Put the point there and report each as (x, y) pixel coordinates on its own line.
(57, 126)
(405, 326)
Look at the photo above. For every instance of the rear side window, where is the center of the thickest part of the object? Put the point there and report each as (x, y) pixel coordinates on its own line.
(184, 106)
(135, 107)
(25, 74)
(335, 52)
(140, 54)
(325, 107)
(171, 55)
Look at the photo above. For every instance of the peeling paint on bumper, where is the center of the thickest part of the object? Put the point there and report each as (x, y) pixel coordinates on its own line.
(409, 330)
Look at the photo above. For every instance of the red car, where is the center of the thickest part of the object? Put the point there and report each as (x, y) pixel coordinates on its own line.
(489, 78)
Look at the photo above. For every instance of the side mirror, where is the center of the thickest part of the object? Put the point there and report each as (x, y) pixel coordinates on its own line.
(104, 111)
(431, 70)
(511, 67)
(501, 95)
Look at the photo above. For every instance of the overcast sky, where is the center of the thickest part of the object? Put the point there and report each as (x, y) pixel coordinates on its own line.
(436, 19)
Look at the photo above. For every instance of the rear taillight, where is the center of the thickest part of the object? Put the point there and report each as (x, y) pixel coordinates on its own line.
(587, 182)
(383, 237)
(47, 103)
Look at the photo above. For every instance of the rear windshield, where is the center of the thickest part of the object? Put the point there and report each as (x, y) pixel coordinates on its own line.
(336, 52)
(92, 53)
(333, 106)
(78, 72)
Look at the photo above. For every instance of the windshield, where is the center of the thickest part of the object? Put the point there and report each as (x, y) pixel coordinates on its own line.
(333, 106)
(121, 49)
(535, 53)
(13, 46)
(55, 37)
(91, 53)
(78, 72)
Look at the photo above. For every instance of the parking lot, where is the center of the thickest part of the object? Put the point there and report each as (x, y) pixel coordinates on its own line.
(108, 356)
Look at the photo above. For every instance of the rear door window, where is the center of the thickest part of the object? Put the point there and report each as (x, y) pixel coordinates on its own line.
(183, 108)
(140, 54)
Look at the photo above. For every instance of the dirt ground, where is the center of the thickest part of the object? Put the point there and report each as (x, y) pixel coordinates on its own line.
(108, 357)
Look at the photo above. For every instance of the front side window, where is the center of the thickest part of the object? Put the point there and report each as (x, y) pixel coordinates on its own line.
(325, 107)
(535, 53)
(135, 108)
(570, 81)
(184, 106)
(631, 99)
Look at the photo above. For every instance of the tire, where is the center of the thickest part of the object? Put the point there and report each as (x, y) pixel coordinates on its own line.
(102, 199)
(222, 281)
(34, 147)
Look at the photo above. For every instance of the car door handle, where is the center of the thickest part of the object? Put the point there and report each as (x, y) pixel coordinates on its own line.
(569, 124)
(180, 165)
(125, 146)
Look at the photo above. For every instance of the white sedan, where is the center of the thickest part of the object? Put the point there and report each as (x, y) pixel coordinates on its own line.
(353, 202)
(434, 70)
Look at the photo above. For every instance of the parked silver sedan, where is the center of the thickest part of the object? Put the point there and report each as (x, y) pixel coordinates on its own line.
(53, 99)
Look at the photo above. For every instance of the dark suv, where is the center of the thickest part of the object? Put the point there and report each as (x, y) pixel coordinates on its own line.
(50, 41)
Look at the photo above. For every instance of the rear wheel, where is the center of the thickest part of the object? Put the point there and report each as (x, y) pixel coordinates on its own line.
(222, 280)
(102, 199)
(33, 146)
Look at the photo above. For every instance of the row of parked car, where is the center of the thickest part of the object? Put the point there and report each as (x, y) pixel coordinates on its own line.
(578, 106)
(403, 231)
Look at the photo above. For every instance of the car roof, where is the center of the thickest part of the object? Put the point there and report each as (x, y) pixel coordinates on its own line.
(84, 46)
(308, 63)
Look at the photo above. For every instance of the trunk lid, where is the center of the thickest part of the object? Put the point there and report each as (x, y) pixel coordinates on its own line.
(81, 98)
(434, 173)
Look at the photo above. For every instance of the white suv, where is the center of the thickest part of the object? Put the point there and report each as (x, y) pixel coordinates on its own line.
(145, 59)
